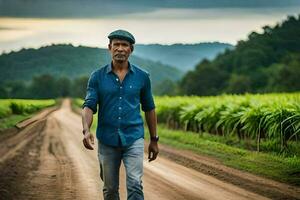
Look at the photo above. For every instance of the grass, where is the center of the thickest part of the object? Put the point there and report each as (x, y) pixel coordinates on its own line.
(274, 166)
(12, 120)
(13, 111)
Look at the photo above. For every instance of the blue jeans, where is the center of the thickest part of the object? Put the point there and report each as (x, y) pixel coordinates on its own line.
(110, 161)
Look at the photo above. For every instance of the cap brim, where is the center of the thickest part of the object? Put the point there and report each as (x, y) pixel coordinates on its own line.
(122, 38)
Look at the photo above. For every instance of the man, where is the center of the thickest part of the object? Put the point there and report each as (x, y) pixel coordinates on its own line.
(120, 88)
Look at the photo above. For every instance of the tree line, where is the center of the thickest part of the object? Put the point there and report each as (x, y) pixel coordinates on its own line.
(45, 86)
(67, 60)
(266, 62)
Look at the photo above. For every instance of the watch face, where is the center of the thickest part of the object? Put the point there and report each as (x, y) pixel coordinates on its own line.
(155, 138)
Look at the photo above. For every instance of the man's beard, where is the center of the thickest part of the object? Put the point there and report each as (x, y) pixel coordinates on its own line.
(120, 58)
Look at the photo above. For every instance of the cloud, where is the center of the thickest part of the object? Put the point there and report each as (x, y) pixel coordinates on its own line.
(108, 8)
(6, 28)
(3, 28)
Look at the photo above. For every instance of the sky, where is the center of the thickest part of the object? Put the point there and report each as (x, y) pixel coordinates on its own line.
(36, 23)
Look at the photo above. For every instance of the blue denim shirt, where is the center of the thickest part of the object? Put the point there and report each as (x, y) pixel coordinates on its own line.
(119, 119)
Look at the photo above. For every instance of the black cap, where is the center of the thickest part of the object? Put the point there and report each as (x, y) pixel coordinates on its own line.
(123, 35)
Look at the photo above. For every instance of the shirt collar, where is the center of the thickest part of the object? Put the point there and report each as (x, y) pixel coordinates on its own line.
(109, 67)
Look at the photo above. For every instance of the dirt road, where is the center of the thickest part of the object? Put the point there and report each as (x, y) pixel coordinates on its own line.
(46, 160)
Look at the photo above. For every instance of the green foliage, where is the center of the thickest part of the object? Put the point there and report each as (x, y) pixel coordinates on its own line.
(266, 62)
(166, 87)
(248, 117)
(208, 80)
(238, 84)
(22, 106)
(77, 102)
(12, 120)
(78, 88)
(5, 108)
(279, 167)
(45, 87)
(17, 108)
(286, 76)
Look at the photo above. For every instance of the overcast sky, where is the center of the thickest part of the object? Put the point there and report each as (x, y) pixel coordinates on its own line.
(34, 23)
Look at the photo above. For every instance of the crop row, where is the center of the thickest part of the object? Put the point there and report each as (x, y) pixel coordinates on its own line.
(269, 116)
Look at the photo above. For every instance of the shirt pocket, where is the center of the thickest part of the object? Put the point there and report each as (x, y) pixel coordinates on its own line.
(132, 92)
(131, 89)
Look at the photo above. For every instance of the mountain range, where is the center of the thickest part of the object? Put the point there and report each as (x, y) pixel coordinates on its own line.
(163, 62)
(182, 56)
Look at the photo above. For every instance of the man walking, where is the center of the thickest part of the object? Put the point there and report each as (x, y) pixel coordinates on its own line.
(119, 88)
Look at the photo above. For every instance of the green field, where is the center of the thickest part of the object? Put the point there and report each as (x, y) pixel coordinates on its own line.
(254, 119)
(14, 110)
(231, 128)
(268, 123)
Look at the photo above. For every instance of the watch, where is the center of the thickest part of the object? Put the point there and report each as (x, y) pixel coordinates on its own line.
(155, 138)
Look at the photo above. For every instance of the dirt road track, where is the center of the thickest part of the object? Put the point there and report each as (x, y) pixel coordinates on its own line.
(46, 160)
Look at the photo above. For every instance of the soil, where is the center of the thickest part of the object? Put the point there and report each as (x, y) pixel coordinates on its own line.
(45, 159)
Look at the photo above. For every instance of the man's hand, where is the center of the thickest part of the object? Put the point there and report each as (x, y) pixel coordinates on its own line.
(152, 151)
(88, 140)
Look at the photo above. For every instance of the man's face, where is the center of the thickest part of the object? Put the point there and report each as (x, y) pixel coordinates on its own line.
(120, 50)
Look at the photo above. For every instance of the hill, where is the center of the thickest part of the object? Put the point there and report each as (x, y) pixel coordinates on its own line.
(182, 56)
(71, 62)
(266, 62)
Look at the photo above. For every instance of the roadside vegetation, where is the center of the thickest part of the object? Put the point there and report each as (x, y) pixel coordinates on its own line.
(13, 111)
(268, 122)
(275, 166)
(255, 133)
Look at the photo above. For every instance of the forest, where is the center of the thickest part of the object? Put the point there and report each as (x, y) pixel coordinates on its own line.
(265, 62)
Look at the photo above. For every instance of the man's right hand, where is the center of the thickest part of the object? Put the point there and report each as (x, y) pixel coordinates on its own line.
(88, 140)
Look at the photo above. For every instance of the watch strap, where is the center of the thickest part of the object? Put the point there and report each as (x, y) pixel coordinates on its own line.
(154, 138)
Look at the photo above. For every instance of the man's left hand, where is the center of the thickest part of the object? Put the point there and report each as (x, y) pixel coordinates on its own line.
(152, 151)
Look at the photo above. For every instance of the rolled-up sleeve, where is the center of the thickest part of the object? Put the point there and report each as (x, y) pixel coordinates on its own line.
(146, 95)
(91, 98)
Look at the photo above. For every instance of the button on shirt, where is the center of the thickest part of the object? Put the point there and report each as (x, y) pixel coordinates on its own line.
(119, 119)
